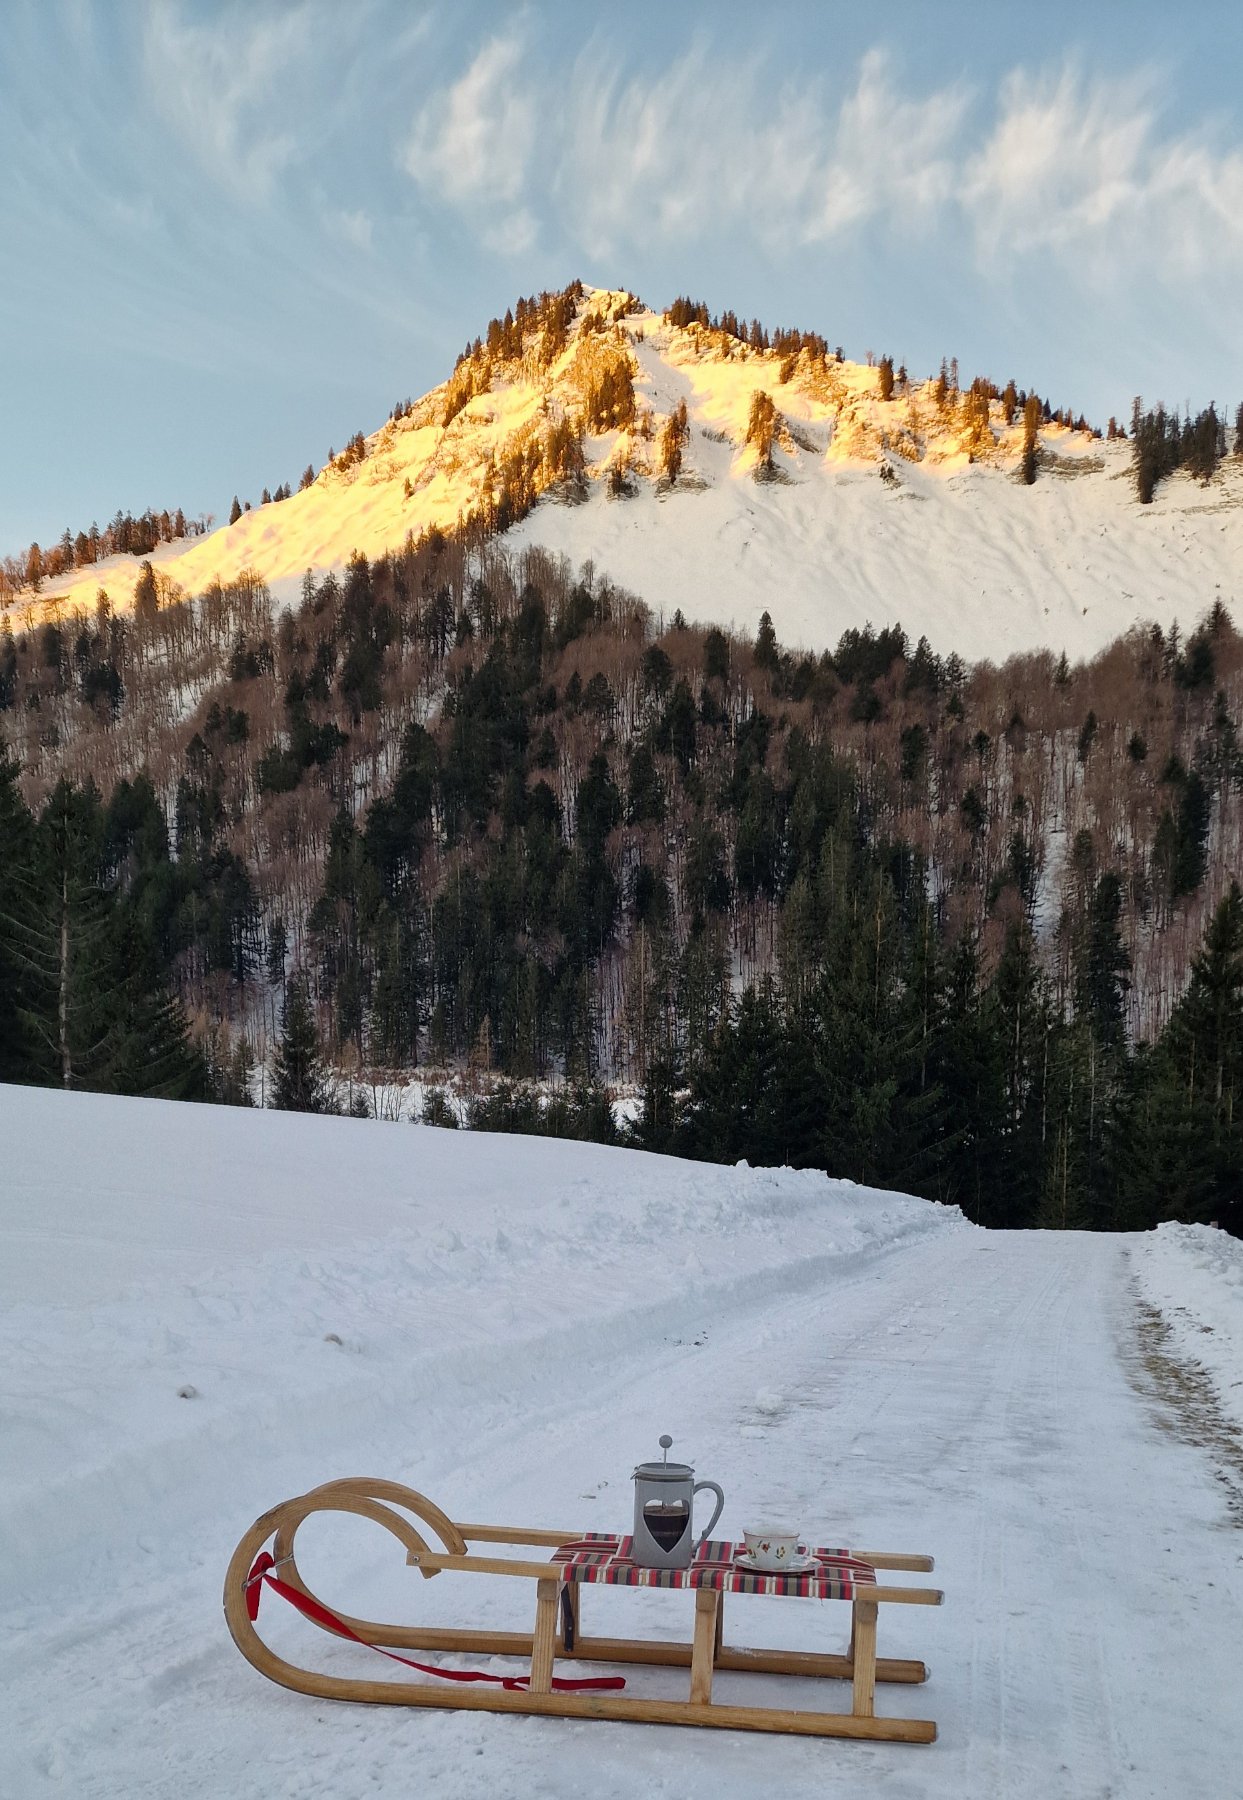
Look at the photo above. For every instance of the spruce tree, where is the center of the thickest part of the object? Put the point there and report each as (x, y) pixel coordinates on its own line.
(968, 1062)
(1031, 425)
(1206, 1032)
(93, 1007)
(1102, 976)
(1179, 1128)
(16, 841)
(235, 511)
(658, 1123)
(72, 1006)
(1018, 1005)
(767, 655)
(300, 1084)
(146, 595)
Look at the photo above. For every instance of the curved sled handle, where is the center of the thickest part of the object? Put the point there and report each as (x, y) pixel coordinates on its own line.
(720, 1502)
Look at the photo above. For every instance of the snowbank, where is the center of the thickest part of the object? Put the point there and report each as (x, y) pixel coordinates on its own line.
(1193, 1275)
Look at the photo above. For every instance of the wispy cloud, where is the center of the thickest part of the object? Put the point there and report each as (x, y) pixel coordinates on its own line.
(890, 153)
(1051, 164)
(1081, 167)
(351, 227)
(471, 144)
(215, 88)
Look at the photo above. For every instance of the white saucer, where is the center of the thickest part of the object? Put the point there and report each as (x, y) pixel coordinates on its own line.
(803, 1565)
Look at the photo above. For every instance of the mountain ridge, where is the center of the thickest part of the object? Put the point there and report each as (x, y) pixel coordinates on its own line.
(762, 495)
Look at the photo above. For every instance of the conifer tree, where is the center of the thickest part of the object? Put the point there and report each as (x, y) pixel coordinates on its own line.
(16, 839)
(1018, 1000)
(761, 429)
(1208, 1027)
(658, 1123)
(1179, 1129)
(968, 1062)
(62, 941)
(235, 511)
(672, 438)
(1102, 977)
(1031, 425)
(766, 650)
(146, 595)
(277, 948)
(300, 1083)
(93, 1006)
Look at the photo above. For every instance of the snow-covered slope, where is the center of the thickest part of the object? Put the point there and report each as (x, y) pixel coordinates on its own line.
(205, 1311)
(949, 542)
(1193, 1276)
(971, 560)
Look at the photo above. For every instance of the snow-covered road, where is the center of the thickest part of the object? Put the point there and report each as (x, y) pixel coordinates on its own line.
(516, 1323)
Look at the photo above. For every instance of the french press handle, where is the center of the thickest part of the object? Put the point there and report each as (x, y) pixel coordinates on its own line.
(720, 1502)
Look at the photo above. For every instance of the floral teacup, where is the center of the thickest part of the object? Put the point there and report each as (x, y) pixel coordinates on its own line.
(773, 1550)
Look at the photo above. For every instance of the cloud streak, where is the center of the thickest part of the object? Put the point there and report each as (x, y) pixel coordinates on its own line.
(1081, 168)
(213, 88)
(1056, 165)
(472, 143)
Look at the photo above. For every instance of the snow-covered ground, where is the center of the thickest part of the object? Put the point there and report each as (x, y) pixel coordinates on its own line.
(972, 561)
(955, 550)
(206, 1311)
(1193, 1276)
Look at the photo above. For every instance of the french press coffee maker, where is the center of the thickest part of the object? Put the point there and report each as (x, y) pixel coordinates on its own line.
(664, 1494)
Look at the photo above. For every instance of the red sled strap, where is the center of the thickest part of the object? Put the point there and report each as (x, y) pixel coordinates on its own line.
(259, 1578)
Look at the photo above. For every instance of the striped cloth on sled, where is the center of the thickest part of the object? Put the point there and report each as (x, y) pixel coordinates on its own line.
(604, 1557)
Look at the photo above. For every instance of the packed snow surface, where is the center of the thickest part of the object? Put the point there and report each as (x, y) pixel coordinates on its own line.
(207, 1311)
(951, 544)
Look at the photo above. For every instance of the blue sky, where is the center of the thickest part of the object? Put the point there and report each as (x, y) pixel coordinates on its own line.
(235, 234)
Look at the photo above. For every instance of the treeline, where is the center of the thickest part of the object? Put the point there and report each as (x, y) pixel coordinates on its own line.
(1162, 443)
(125, 536)
(790, 343)
(899, 1066)
(785, 341)
(893, 1061)
(540, 324)
(547, 316)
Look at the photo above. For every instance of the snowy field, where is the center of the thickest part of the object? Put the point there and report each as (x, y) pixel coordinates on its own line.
(206, 1311)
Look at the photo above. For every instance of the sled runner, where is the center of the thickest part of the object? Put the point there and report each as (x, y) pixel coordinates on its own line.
(572, 1562)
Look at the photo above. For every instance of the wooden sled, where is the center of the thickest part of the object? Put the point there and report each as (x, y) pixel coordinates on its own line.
(576, 1561)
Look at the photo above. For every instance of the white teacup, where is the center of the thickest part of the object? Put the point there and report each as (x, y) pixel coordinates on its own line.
(774, 1550)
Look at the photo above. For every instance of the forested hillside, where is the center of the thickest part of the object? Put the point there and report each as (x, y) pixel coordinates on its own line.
(967, 932)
